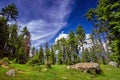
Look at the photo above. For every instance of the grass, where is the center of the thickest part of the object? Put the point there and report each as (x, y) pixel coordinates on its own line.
(57, 72)
(109, 73)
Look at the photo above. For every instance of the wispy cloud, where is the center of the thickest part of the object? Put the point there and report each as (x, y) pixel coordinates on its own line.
(44, 18)
(42, 31)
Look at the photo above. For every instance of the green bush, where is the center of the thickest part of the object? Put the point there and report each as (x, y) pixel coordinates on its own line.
(14, 61)
(33, 61)
(48, 65)
(113, 57)
(6, 59)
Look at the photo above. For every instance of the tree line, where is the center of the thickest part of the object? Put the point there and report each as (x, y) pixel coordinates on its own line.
(105, 37)
(72, 50)
(14, 44)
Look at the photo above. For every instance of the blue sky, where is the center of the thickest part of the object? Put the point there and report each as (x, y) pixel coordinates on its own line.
(46, 19)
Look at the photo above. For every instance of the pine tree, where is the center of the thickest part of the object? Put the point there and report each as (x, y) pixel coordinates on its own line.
(10, 12)
(26, 42)
(33, 51)
(73, 45)
(12, 41)
(4, 34)
(80, 36)
(110, 16)
(52, 56)
(41, 55)
(47, 52)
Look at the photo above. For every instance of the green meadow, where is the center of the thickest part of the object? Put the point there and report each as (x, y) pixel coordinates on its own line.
(57, 72)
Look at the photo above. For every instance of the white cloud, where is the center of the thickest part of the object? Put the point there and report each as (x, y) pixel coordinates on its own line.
(87, 39)
(61, 35)
(87, 36)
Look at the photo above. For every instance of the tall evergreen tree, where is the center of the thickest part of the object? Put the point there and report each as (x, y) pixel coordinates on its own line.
(80, 35)
(41, 55)
(108, 12)
(73, 45)
(12, 41)
(26, 42)
(10, 12)
(33, 51)
(4, 34)
(47, 52)
(52, 56)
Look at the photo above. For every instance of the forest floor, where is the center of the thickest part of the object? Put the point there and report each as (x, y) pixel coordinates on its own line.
(57, 72)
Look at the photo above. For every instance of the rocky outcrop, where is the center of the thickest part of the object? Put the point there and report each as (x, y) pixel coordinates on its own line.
(87, 67)
(113, 63)
(11, 72)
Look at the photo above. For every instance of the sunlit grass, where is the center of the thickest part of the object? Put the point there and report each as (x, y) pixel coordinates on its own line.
(58, 72)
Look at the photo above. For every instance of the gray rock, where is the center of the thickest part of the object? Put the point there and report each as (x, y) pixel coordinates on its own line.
(113, 63)
(11, 72)
(87, 67)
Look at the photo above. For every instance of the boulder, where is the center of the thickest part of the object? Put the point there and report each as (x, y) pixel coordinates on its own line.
(11, 72)
(4, 66)
(87, 67)
(113, 63)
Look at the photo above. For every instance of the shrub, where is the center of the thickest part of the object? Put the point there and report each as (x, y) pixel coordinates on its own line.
(113, 57)
(33, 61)
(14, 61)
(48, 65)
(5, 59)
